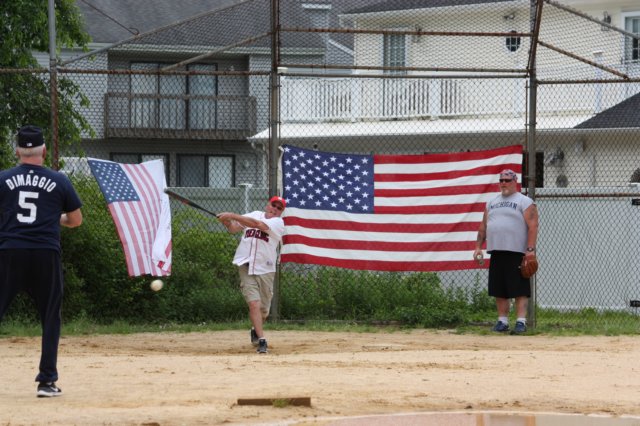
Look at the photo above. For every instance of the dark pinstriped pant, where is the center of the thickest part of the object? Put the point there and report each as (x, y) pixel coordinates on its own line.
(39, 273)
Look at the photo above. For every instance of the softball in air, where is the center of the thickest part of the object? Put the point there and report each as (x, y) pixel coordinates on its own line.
(156, 285)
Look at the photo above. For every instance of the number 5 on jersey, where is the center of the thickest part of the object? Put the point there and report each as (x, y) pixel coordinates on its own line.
(25, 204)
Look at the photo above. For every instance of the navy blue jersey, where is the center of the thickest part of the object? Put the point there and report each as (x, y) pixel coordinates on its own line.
(32, 198)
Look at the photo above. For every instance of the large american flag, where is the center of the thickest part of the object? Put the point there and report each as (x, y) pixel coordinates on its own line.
(141, 212)
(388, 212)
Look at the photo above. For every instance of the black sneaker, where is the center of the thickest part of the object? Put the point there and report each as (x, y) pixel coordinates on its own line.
(520, 328)
(262, 346)
(48, 389)
(500, 327)
(254, 337)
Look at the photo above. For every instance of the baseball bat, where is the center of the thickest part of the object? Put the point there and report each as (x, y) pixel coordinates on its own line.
(188, 202)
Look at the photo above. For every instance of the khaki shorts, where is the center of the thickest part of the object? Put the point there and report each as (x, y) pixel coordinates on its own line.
(257, 288)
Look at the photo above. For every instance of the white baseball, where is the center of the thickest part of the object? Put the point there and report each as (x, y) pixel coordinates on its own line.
(156, 285)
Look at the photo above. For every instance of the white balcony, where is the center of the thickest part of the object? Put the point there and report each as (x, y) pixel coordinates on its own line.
(325, 99)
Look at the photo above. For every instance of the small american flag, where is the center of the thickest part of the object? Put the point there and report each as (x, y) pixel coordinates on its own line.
(388, 212)
(141, 212)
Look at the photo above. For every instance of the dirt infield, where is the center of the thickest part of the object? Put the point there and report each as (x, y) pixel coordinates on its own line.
(197, 378)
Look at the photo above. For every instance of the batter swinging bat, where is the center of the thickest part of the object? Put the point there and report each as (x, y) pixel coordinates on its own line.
(187, 201)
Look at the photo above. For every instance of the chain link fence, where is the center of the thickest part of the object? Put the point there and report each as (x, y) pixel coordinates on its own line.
(215, 96)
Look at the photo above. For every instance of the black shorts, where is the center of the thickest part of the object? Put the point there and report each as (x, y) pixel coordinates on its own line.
(505, 280)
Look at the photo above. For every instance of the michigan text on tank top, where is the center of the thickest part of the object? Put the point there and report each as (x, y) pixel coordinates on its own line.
(32, 198)
(506, 227)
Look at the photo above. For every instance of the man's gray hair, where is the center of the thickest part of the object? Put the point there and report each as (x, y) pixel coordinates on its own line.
(36, 151)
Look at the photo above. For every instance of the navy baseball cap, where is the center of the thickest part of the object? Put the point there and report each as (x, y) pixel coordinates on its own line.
(30, 136)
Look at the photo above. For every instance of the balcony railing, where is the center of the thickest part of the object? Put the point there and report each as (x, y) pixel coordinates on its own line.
(171, 116)
(318, 99)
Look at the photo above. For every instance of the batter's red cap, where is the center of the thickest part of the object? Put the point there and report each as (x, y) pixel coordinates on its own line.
(276, 199)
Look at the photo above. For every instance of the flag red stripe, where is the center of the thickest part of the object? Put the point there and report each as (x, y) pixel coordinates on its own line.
(439, 191)
(144, 211)
(380, 245)
(149, 207)
(131, 214)
(151, 195)
(377, 265)
(448, 157)
(167, 252)
(433, 209)
(123, 234)
(409, 228)
(452, 174)
(142, 238)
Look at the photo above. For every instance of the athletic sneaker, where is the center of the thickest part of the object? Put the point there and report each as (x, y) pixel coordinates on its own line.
(500, 327)
(262, 346)
(254, 337)
(48, 389)
(519, 328)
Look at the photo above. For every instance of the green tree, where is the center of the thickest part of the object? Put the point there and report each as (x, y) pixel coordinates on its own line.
(24, 84)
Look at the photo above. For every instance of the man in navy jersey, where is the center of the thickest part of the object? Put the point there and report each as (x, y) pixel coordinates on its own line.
(34, 202)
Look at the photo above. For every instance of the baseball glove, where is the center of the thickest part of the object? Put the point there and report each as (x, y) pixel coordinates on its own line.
(528, 266)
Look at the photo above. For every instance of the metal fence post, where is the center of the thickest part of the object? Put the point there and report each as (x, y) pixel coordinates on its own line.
(536, 14)
(53, 83)
(274, 141)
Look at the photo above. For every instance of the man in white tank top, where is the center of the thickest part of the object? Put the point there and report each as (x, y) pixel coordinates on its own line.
(510, 228)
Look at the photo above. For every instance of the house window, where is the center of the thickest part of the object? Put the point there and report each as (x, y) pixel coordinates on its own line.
(144, 91)
(157, 101)
(172, 103)
(135, 158)
(513, 43)
(162, 101)
(395, 52)
(202, 106)
(632, 45)
(212, 171)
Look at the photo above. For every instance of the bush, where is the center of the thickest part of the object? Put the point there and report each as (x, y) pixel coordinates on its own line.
(409, 298)
(202, 286)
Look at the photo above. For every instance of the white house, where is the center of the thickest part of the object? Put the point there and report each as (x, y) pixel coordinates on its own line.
(439, 101)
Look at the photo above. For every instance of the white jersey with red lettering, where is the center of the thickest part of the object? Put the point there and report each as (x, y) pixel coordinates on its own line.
(258, 248)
